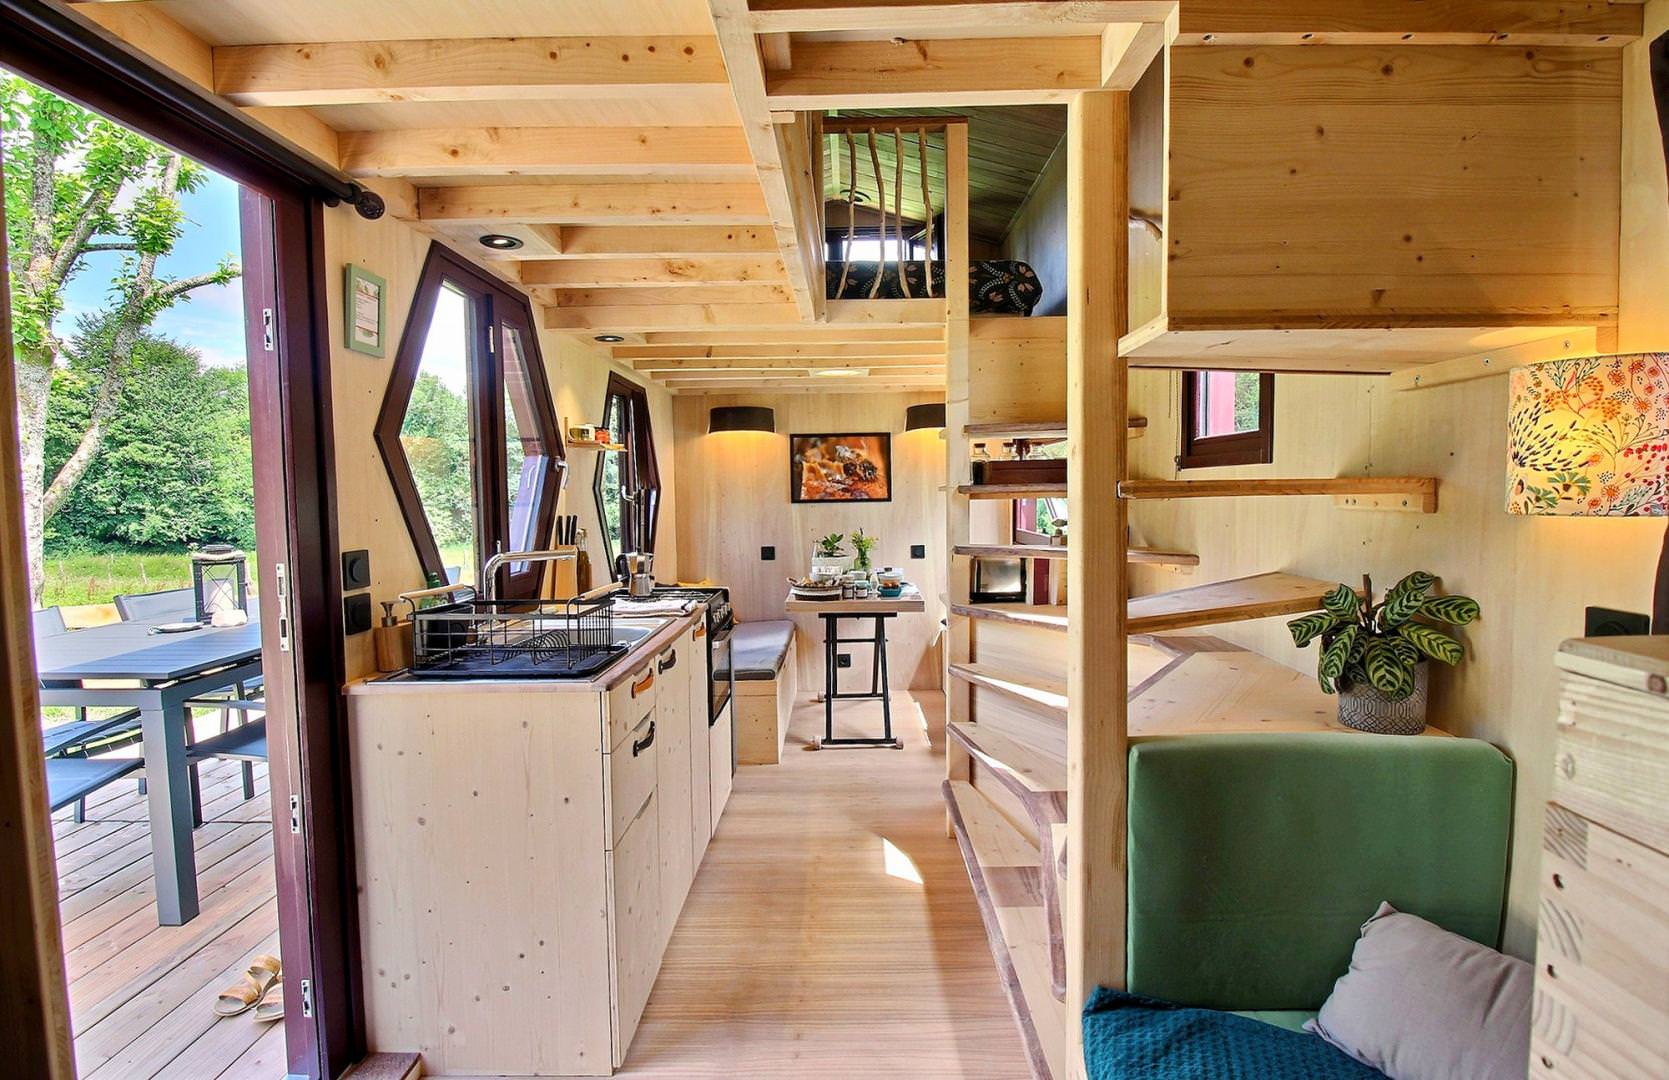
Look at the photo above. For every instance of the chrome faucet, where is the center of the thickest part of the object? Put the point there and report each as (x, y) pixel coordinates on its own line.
(489, 572)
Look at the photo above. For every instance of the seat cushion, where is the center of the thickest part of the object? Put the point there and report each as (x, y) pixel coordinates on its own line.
(1254, 859)
(757, 649)
(1129, 1037)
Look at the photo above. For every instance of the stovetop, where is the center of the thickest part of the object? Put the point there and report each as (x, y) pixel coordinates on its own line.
(717, 600)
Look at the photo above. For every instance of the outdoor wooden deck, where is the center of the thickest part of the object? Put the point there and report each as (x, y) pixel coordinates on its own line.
(142, 995)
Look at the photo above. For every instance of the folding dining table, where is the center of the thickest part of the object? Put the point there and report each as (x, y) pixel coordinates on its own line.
(159, 673)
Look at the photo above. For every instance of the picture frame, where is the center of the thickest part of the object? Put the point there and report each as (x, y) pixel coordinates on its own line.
(364, 305)
(840, 467)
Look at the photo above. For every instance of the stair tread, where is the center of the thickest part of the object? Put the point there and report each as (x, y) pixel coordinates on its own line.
(1043, 693)
(1143, 555)
(1034, 769)
(1234, 600)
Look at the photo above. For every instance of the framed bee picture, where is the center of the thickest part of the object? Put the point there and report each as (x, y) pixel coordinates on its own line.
(362, 310)
(840, 468)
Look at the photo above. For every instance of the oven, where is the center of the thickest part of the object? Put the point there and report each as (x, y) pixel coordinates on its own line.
(720, 677)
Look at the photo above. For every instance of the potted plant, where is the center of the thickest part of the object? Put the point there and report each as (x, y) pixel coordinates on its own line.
(1375, 656)
(828, 556)
(862, 545)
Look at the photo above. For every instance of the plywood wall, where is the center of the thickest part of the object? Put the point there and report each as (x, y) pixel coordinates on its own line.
(734, 495)
(367, 515)
(1034, 235)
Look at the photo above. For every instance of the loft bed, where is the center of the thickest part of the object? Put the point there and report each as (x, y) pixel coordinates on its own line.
(995, 286)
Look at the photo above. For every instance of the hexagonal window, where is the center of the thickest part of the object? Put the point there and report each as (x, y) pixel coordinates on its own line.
(627, 485)
(467, 429)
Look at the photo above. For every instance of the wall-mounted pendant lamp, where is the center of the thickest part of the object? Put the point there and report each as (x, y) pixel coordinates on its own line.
(917, 417)
(740, 418)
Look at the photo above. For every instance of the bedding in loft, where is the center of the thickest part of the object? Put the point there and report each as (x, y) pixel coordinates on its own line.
(995, 286)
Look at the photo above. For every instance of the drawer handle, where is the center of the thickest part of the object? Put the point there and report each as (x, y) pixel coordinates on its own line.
(700, 631)
(648, 740)
(642, 687)
(669, 663)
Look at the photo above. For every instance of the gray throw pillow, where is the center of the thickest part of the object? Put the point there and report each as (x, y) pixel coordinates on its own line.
(1420, 1003)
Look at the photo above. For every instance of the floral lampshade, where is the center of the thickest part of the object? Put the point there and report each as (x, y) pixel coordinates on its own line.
(1589, 437)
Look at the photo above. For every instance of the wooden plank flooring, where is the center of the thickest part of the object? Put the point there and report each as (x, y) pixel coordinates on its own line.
(802, 950)
(799, 954)
(142, 995)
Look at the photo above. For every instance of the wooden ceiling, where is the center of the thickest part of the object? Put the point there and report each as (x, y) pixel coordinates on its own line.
(656, 157)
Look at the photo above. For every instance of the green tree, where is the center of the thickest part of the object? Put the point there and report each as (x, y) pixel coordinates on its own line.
(435, 435)
(75, 184)
(175, 463)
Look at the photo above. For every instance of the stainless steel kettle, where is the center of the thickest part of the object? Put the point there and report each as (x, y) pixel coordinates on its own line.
(637, 568)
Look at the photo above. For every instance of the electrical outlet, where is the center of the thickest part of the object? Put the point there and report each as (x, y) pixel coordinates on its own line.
(356, 613)
(1606, 622)
(356, 570)
(768, 554)
(843, 660)
(918, 551)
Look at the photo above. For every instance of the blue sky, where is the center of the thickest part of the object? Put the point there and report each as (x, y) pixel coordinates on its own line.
(209, 320)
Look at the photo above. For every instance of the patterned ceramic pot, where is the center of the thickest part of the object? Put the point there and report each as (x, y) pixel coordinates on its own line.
(1366, 709)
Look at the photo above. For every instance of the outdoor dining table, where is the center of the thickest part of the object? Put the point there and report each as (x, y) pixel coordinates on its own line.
(164, 672)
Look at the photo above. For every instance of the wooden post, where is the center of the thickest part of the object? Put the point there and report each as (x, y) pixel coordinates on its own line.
(958, 640)
(1097, 307)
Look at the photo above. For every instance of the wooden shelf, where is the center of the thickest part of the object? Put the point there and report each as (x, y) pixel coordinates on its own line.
(1418, 492)
(1360, 345)
(613, 448)
(1039, 429)
(1144, 556)
(1040, 693)
(1016, 924)
(1036, 776)
(1012, 491)
(1235, 600)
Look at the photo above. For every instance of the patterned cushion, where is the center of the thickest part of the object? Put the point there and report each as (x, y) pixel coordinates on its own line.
(995, 286)
(1129, 1037)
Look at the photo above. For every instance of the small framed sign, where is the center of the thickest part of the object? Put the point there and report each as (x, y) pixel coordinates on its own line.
(362, 310)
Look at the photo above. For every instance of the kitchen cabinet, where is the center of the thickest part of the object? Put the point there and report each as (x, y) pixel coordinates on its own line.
(524, 849)
(719, 754)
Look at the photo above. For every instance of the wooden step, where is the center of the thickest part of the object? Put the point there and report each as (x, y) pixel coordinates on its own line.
(1003, 868)
(1043, 694)
(1037, 777)
(1418, 492)
(1013, 491)
(1143, 556)
(1041, 429)
(1235, 600)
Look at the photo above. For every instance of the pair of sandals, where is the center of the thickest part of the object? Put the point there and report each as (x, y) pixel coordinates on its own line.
(260, 989)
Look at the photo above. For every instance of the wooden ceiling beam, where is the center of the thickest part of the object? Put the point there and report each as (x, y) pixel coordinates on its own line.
(810, 16)
(622, 318)
(665, 241)
(593, 204)
(1409, 22)
(825, 350)
(670, 273)
(700, 294)
(911, 364)
(706, 152)
(783, 156)
(866, 386)
(801, 335)
(466, 69)
(938, 72)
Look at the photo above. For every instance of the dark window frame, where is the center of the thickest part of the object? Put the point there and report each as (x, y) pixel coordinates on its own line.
(1242, 448)
(640, 474)
(494, 306)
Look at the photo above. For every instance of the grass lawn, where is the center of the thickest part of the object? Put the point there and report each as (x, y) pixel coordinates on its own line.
(74, 579)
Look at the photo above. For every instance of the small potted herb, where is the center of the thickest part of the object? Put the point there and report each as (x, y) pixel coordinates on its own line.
(829, 560)
(862, 544)
(1375, 656)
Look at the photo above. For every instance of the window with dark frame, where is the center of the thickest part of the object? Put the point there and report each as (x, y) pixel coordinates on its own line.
(627, 486)
(1228, 418)
(468, 431)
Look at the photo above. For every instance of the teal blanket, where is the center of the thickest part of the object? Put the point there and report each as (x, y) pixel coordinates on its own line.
(1129, 1037)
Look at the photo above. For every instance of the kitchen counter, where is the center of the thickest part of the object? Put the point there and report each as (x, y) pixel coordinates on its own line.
(668, 629)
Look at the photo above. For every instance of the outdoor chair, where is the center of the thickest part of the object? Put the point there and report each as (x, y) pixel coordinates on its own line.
(156, 605)
(72, 774)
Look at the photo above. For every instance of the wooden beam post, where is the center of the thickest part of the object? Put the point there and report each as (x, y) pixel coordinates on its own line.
(1097, 305)
(958, 468)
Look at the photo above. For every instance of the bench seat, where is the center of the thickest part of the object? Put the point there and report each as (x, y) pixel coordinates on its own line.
(767, 681)
(73, 779)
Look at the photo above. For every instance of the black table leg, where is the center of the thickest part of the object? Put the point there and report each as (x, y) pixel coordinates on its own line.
(877, 679)
(169, 782)
(831, 658)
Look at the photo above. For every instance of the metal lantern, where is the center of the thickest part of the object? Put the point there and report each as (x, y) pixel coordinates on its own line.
(219, 580)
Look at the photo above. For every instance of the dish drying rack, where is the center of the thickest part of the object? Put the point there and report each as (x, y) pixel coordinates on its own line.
(512, 639)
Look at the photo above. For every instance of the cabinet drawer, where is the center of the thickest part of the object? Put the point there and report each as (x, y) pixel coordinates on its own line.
(1602, 954)
(631, 700)
(631, 775)
(1611, 762)
(634, 923)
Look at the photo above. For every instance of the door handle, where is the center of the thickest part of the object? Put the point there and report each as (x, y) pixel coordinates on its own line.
(669, 663)
(648, 740)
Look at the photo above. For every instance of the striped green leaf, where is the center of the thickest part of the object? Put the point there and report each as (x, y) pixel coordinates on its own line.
(1342, 602)
(1387, 672)
(1307, 628)
(1432, 642)
(1337, 654)
(1455, 610)
(1405, 597)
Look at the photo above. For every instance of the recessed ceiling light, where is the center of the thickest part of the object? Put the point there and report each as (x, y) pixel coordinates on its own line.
(609, 339)
(500, 242)
(830, 372)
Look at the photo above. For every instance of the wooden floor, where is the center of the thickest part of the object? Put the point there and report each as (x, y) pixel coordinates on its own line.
(142, 995)
(802, 950)
(799, 954)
